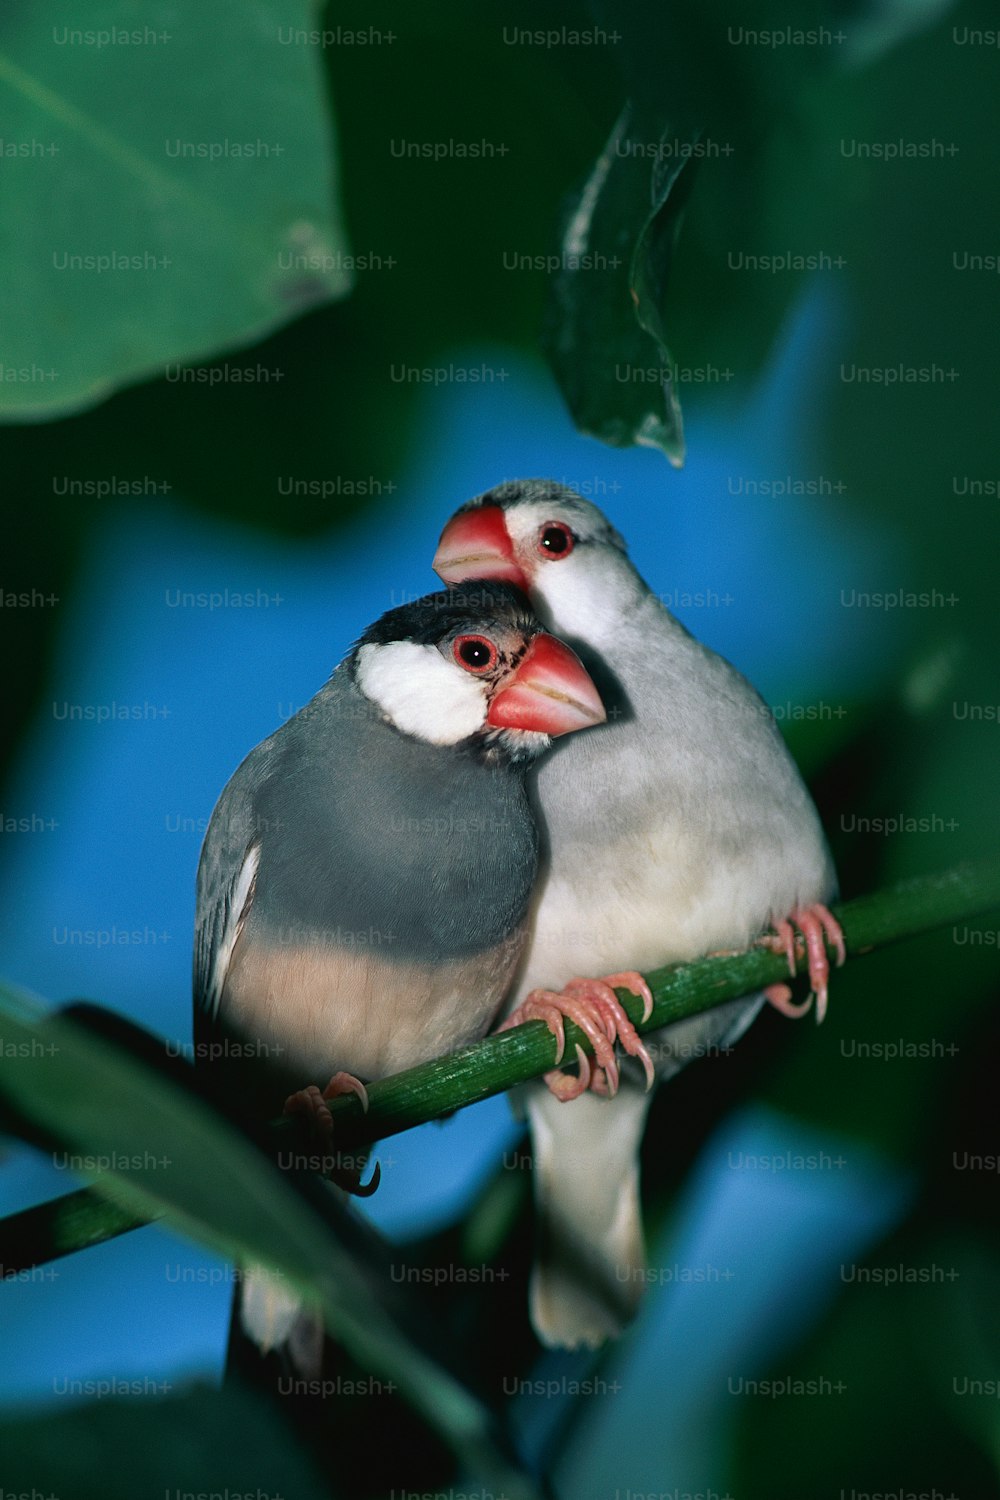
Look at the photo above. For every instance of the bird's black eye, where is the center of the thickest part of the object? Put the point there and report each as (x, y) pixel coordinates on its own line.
(475, 653)
(555, 540)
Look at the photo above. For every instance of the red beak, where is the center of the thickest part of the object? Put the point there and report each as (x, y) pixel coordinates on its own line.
(476, 544)
(550, 691)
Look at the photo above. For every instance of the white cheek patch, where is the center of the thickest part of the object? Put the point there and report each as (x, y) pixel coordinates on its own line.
(422, 693)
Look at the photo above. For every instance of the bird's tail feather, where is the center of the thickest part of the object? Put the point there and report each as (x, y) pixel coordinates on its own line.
(588, 1274)
(273, 1318)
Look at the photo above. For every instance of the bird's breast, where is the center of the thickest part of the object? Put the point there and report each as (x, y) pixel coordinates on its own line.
(369, 1007)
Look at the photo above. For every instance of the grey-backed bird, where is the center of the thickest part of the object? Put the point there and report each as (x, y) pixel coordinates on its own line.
(679, 828)
(365, 879)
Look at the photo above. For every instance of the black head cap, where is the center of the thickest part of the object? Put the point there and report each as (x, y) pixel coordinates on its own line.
(466, 606)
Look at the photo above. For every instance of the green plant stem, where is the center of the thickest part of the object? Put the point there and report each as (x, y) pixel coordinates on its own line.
(498, 1063)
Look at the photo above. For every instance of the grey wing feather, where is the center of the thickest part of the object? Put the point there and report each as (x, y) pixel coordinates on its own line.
(227, 873)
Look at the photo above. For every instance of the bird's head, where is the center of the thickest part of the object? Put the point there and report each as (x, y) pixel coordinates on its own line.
(552, 543)
(473, 664)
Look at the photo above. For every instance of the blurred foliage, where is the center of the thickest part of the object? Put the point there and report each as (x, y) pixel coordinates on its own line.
(912, 1334)
(608, 291)
(111, 1083)
(793, 184)
(207, 256)
(904, 1421)
(227, 1441)
(331, 411)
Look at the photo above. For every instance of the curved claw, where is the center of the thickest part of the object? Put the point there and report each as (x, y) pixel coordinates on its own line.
(550, 1007)
(601, 993)
(819, 965)
(595, 1023)
(564, 1085)
(629, 979)
(593, 1005)
(817, 926)
(780, 996)
(834, 932)
(346, 1083)
(365, 1190)
(781, 940)
(309, 1101)
(537, 1008)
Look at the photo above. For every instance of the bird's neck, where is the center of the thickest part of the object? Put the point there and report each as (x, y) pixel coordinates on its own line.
(595, 609)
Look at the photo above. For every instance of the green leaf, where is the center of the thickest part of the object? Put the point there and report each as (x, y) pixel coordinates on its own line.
(893, 1364)
(172, 194)
(154, 1145)
(752, 98)
(226, 1442)
(605, 334)
(692, 96)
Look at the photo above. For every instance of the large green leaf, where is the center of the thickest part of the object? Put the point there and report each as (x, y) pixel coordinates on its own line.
(754, 100)
(170, 195)
(692, 97)
(902, 1379)
(224, 1442)
(154, 1145)
(605, 327)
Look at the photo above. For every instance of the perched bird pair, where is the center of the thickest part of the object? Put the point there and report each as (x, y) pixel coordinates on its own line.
(394, 809)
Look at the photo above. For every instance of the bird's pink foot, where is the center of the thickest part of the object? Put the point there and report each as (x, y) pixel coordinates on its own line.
(312, 1104)
(593, 1005)
(817, 926)
(780, 996)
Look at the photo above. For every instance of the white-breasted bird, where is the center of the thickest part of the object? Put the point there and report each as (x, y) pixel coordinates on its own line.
(679, 828)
